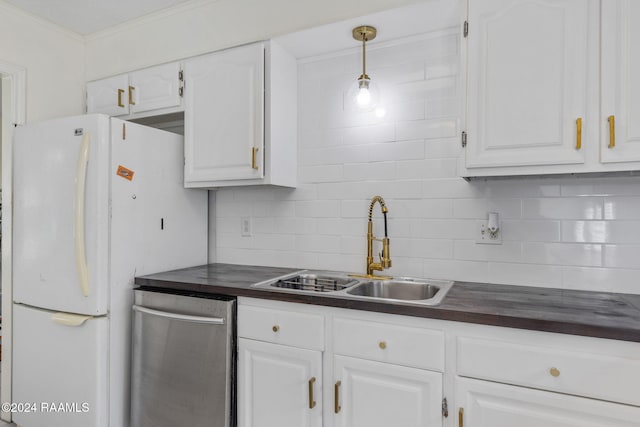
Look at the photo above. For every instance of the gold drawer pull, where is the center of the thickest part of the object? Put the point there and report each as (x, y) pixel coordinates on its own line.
(382, 345)
(461, 417)
(578, 133)
(131, 101)
(254, 163)
(612, 131)
(312, 403)
(120, 93)
(275, 328)
(336, 397)
(555, 372)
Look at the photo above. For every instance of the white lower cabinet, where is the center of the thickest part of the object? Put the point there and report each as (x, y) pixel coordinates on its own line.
(385, 370)
(374, 394)
(489, 404)
(278, 385)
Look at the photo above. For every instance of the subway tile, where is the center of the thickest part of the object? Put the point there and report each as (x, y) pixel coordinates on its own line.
(322, 173)
(601, 279)
(530, 230)
(444, 229)
(407, 150)
(524, 188)
(548, 276)
(260, 225)
(622, 256)
(318, 208)
(622, 208)
(427, 168)
(329, 226)
(427, 129)
(369, 134)
(224, 240)
(342, 190)
(443, 148)
(443, 107)
(422, 248)
(442, 87)
(507, 208)
(563, 208)
(350, 245)
(406, 267)
(471, 251)
(601, 231)
(470, 208)
(421, 208)
(453, 188)
(275, 242)
(341, 262)
(586, 255)
(467, 271)
(229, 225)
(370, 171)
(325, 244)
(354, 208)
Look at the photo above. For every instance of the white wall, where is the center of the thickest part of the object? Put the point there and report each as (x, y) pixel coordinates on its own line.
(207, 25)
(568, 233)
(53, 59)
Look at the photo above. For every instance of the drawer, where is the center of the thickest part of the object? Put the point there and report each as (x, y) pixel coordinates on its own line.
(291, 328)
(391, 343)
(576, 372)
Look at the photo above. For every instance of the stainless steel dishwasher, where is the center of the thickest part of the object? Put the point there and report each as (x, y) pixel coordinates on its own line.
(183, 361)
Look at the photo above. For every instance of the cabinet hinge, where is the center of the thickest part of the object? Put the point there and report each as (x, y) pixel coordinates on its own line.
(181, 79)
(465, 31)
(464, 139)
(445, 408)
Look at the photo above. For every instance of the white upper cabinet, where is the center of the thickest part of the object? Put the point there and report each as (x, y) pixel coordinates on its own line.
(552, 87)
(527, 81)
(620, 81)
(151, 91)
(240, 117)
(109, 96)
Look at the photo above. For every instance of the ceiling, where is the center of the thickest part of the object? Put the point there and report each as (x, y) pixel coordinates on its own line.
(88, 16)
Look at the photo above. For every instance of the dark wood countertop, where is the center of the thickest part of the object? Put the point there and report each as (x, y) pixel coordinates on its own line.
(593, 314)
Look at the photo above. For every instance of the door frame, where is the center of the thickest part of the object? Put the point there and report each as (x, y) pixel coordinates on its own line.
(13, 114)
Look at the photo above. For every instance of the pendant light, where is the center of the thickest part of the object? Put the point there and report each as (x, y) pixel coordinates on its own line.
(364, 93)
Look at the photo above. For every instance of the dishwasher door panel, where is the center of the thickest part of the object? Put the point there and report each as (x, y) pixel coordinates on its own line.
(182, 361)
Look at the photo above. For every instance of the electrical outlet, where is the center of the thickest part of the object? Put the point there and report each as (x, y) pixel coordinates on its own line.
(485, 237)
(245, 226)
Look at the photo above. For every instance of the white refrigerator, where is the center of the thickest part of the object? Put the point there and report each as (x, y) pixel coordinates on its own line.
(97, 201)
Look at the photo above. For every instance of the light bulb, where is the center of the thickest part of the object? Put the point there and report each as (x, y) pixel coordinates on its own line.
(365, 94)
(364, 97)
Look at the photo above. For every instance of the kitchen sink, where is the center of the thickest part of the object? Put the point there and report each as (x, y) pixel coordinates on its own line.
(310, 281)
(400, 290)
(420, 291)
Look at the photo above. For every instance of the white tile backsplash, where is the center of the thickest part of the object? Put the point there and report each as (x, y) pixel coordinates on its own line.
(575, 233)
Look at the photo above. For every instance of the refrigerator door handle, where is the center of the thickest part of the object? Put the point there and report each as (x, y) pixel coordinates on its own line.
(78, 217)
(68, 319)
(182, 317)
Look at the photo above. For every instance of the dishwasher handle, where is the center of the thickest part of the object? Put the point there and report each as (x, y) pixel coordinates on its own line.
(180, 317)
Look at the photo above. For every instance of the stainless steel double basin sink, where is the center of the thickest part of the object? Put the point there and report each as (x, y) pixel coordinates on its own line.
(405, 290)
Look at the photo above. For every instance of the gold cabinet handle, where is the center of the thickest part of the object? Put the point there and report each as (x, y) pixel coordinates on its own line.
(131, 100)
(275, 328)
(612, 131)
(578, 133)
(312, 403)
(461, 417)
(382, 345)
(336, 397)
(555, 372)
(254, 163)
(120, 93)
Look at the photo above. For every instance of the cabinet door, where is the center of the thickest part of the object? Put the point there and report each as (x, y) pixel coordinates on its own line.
(620, 82)
(155, 88)
(109, 96)
(528, 81)
(487, 404)
(276, 386)
(374, 394)
(224, 116)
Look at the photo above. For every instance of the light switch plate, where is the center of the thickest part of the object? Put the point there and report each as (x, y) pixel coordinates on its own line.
(245, 226)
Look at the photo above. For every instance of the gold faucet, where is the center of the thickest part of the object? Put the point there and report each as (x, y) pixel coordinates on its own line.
(385, 260)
